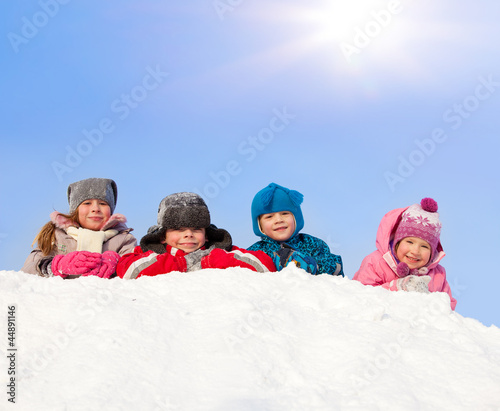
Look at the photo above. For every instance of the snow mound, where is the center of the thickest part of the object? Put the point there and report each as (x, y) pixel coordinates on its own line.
(239, 340)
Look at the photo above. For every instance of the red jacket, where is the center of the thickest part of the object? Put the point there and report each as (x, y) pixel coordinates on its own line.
(149, 263)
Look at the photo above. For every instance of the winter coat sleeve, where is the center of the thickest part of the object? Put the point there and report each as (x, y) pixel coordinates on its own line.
(439, 283)
(127, 246)
(138, 264)
(37, 263)
(316, 248)
(269, 247)
(373, 272)
(31, 262)
(238, 257)
(328, 263)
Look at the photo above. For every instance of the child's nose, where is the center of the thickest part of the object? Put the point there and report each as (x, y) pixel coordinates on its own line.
(415, 249)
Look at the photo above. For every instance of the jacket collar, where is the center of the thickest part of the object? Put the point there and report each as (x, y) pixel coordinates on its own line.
(116, 221)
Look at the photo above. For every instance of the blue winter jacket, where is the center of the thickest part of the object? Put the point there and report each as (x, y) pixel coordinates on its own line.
(328, 263)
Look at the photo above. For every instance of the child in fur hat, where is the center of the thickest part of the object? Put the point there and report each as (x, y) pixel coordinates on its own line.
(87, 241)
(185, 240)
(408, 252)
(277, 219)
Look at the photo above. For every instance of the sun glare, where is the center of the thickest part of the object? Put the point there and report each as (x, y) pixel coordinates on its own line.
(356, 35)
(335, 21)
(360, 39)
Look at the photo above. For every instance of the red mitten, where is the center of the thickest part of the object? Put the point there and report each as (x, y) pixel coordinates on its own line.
(218, 258)
(76, 263)
(109, 259)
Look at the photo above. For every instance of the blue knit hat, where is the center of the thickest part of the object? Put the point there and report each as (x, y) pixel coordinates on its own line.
(276, 198)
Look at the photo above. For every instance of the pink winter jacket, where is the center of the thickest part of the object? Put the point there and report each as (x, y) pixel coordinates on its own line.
(379, 267)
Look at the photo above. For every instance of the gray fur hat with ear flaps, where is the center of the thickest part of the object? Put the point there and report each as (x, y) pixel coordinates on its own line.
(184, 210)
(100, 188)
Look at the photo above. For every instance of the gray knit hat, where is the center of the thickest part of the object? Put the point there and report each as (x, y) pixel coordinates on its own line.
(101, 188)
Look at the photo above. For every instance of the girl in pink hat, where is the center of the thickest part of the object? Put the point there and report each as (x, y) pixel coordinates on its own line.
(408, 252)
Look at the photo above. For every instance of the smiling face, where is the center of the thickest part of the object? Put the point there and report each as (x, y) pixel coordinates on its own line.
(413, 251)
(93, 214)
(278, 226)
(187, 239)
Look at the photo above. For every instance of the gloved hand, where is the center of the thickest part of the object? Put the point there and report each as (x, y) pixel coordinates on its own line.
(109, 259)
(43, 267)
(416, 283)
(286, 255)
(76, 263)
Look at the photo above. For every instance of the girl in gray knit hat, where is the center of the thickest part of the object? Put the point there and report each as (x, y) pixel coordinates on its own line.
(185, 240)
(88, 240)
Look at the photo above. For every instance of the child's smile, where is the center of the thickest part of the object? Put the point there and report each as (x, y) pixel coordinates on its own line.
(187, 239)
(413, 251)
(278, 226)
(93, 214)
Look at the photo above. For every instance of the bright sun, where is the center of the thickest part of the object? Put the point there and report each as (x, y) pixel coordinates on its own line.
(341, 37)
(363, 33)
(329, 24)
(336, 20)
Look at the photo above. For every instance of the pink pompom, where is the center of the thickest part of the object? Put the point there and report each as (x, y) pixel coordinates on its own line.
(430, 205)
(402, 270)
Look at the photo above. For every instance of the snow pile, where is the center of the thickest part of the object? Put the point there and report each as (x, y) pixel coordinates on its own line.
(238, 340)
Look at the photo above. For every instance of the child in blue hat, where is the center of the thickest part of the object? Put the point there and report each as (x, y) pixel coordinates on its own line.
(277, 219)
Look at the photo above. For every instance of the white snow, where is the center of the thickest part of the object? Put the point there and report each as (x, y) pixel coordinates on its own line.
(239, 340)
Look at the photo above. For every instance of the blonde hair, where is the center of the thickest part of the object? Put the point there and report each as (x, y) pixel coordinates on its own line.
(46, 238)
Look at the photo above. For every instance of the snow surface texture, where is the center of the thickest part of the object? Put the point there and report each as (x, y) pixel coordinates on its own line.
(239, 340)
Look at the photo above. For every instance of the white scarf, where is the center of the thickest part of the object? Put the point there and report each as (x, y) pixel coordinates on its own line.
(90, 240)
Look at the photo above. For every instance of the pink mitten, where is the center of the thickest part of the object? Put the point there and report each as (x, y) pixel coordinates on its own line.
(109, 259)
(76, 263)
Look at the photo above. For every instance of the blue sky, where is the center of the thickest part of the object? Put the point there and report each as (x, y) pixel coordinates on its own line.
(363, 108)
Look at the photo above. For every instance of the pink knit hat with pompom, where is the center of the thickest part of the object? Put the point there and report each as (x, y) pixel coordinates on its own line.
(422, 221)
